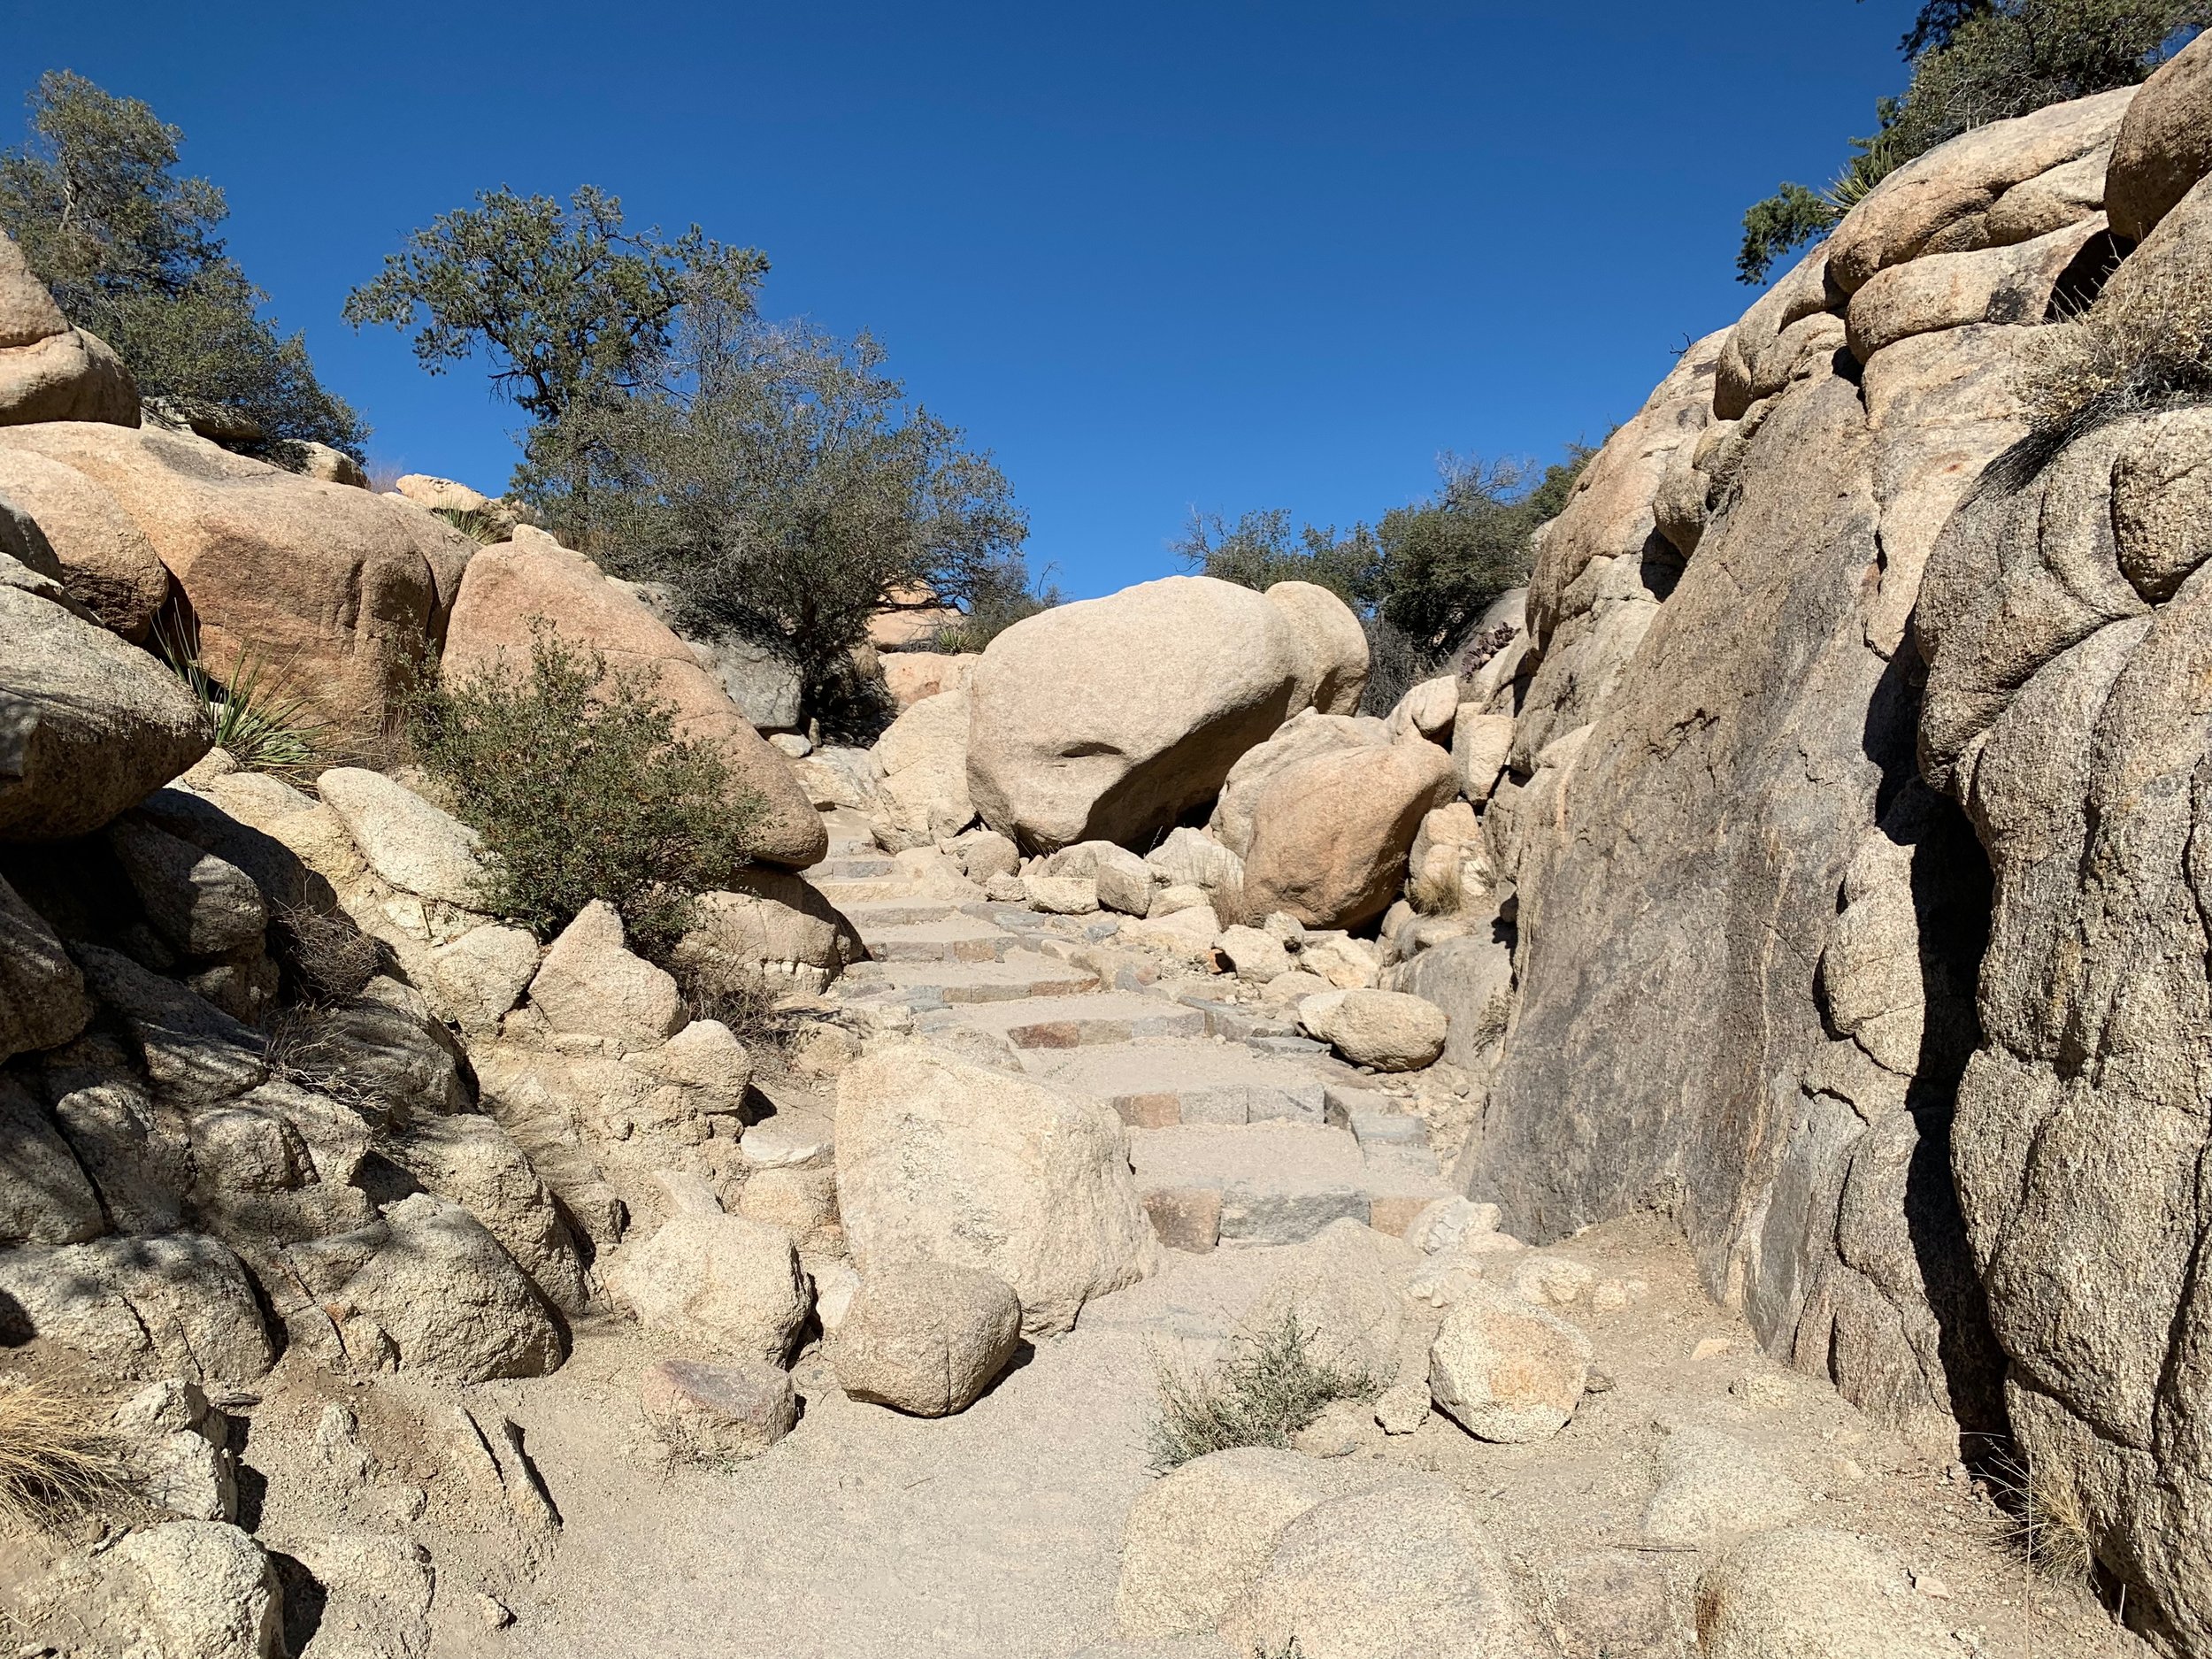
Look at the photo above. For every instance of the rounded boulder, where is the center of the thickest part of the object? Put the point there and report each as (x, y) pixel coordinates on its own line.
(925, 1337)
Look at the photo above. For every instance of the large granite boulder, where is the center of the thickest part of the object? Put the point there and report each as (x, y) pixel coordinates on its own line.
(1111, 718)
(338, 592)
(517, 587)
(1331, 833)
(2164, 145)
(50, 370)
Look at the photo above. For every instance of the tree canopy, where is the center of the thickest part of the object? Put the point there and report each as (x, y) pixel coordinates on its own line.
(130, 250)
(1973, 62)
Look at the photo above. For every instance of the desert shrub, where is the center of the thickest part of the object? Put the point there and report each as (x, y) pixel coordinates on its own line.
(992, 608)
(480, 524)
(129, 250)
(1396, 663)
(58, 1457)
(1446, 560)
(1973, 62)
(2153, 350)
(1269, 1385)
(582, 790)
(715, 987)
(251, 709)
(1259, 550)
(2041, 1517)
(330, 957)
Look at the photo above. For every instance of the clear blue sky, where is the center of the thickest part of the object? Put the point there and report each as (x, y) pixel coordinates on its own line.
(1153, 256)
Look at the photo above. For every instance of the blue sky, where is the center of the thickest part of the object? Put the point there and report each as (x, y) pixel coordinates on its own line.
(1153, 256)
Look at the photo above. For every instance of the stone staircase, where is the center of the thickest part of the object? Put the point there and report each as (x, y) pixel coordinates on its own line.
(1241, 1131)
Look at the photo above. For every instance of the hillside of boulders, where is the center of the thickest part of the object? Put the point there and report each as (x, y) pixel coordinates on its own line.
(1705, 1100)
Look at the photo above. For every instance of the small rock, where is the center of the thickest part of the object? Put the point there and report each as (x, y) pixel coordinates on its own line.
(791, 744)
(835, 1283)
(1929, 1585)
(784, 1143)
(1167, 900)
(1402, 1408)
(1609, 1295)
(987, 856)
(705, 1410)
(1599, 1382)
(493, 1612)
(1448, 1222)
(1006, 889)
(410, 843)
(1765, 1389)
(722, 1281)
(1551, 1280)
(1506, 1370)
(1061, 895)
(925, 1337)
(1709, 1347)
(1387, 1030)
(1257, 958)
(1711, 1485)
(590, 984)
(1341, 1429)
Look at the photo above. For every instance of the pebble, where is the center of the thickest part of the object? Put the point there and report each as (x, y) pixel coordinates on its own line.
(494, 1612)
(1709, 1347)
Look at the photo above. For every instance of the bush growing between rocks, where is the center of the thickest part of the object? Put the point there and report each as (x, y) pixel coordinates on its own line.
(2155, 351)
(329, 955)
(251, 714)
(1271, 1385)
(1974, 62)
(582, 790)
(57, 1457)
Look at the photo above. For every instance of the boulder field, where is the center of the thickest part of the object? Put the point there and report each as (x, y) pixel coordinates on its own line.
(1714, 1079)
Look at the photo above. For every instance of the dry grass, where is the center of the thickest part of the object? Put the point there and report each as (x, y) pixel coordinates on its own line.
(2124, 355)
(1269, 1386)
(58, 1458)
(2042, 1520)
(332, 957)
(715, 987)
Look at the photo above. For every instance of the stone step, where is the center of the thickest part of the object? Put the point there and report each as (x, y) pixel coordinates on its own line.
(1159, 1082)
(954, 939)
(853, 867)
(870, 916)
(1023, 976)
(1266, 1183)
(1046, 1022)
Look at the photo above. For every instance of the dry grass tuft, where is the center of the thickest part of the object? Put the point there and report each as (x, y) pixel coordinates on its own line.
(332, 957)
(2041, 1518)
(1270, 1385)
(715, 987)
(2147, 349)
(58, 1458)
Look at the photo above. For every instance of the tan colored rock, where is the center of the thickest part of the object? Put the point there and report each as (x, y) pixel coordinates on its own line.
(327, 465)
(1448, 867)
(191, 1590)
(107, 563)
(1346, 964)
(1188, 933)
(1506, 1370)
(1330, 835)
(2011, 284)
(1803, 1591)
(589, 983)
(1255, 958)
(910, 676)
(414, 845)
(1061, 895)
(50, 370)
(341, 591)
(1306, 735)
(774, 925)
(924, 758)
(1194, 858)
(1331, 644)
(1382, 1029)
(1480, 743)
(802, 1201)
(1404, 1570)
(1124, 881)
(1939, 202)
(720, 1282)
(716, 1412)
(479, 977)
(2164, 144)
(937, 1159)
(1426, 710)
(1110, 718)
(532, 580)
(471, 1161)
(1197, 1540)
(925, 1337)
(88, 725)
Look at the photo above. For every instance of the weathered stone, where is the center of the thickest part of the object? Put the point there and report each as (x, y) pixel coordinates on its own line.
(1506, 1370)
(192, 1050)
(50, 370)
(717, 1410)
(42, 1000)
(1403, 1571)
(721, 1282)
(1332, 647)
(1387, 1030)
(1061, 895)
(479, 977)
(175, 1306)
(1110, 718)
(773, 927)
(44, 1197)
(202, 905)
(1256, 957)
(87, 724)
(1711, 1485)
(192, 1589)
(473, 1162)
(589, 984)
(1331, 834)
(1124, 881)
(1198, 1539)
(417, 847)
(1193, 858)
(2164, 144)
(104, 561)
(925, 1337)
(1807, 1590)
(910, 676)
(937, 1159)
(924, 757)
(339, 591)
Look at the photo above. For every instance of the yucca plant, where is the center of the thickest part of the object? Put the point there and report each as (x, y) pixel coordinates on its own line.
(265, 726)
(480, 524)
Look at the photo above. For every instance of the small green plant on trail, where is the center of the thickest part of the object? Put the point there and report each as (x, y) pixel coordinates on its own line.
(264, 726)
(580, 788)
(1270, 1384)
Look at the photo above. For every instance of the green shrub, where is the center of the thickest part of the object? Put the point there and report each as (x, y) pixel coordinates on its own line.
(1269, 1385)
(264, 726)
(582, 790)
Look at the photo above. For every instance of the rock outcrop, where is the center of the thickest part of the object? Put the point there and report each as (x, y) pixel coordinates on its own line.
(50, 370)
